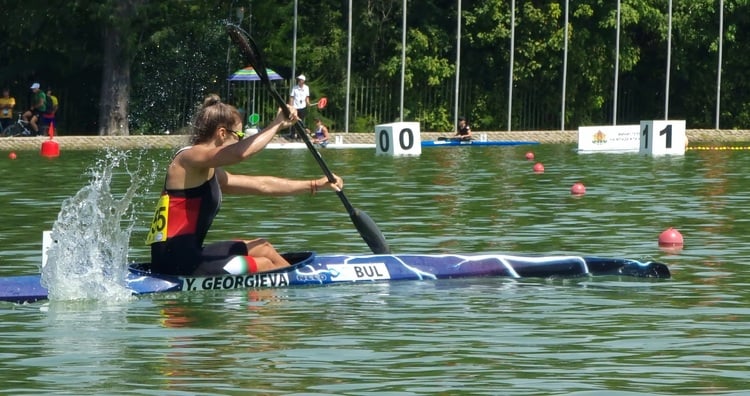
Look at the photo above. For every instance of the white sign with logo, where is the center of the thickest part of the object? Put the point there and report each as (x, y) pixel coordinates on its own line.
(609, 139)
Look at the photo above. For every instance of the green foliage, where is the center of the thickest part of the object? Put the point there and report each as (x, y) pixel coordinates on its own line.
(364, 123)
(179, 52)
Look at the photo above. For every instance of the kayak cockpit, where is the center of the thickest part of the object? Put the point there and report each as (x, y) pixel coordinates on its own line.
(296, 259)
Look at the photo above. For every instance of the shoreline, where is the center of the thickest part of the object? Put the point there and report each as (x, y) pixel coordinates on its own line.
(702, 136)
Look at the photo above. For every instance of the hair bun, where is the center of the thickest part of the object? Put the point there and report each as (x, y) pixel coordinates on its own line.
(211, 100)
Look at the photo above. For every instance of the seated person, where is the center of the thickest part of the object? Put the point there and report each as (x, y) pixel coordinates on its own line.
(464, 130)
(321, 135)
(38, 107)
(192, 193)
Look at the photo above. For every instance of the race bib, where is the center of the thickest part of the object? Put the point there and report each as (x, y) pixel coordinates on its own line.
(158, 230)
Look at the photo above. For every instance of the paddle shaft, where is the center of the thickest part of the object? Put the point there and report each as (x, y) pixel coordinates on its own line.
(364, 224)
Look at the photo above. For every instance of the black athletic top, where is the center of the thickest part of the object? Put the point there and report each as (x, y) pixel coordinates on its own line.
(180, 225)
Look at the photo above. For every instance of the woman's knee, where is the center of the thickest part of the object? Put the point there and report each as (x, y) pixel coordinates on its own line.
(259, 243)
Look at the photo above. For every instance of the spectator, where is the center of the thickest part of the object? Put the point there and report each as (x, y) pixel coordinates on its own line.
(7, 103)
(300, 99)
(48, 117)
(38, 107)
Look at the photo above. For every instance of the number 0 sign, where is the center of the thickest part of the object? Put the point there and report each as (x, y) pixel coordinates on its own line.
(398, 138)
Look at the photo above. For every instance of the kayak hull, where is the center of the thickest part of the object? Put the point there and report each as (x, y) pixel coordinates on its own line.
(310, 269)
(467, 143)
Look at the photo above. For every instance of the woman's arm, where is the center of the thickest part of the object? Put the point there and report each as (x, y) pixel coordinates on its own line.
(271, 185)
(204, 157)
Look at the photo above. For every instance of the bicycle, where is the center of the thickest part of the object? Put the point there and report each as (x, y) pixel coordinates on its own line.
(19, 128)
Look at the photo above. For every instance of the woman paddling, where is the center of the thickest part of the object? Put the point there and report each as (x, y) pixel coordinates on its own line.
(192, 194)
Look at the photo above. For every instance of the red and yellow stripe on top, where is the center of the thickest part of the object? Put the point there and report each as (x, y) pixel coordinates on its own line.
(173, 216)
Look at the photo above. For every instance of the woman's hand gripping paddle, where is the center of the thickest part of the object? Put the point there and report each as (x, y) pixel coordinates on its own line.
(365, 225)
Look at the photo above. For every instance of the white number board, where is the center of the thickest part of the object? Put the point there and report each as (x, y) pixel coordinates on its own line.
(398, 138)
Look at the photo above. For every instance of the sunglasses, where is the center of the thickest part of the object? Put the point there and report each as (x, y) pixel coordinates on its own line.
(240, 134)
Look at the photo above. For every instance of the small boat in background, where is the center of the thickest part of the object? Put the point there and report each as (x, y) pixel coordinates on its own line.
(450, 142)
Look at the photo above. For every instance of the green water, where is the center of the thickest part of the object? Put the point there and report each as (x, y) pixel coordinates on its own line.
(492, 336)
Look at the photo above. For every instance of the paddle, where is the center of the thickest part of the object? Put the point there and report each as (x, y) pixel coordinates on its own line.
(322, 103)
(364, 224)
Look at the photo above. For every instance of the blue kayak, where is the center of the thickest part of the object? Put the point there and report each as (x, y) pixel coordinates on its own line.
(309, 269)
(462, 143)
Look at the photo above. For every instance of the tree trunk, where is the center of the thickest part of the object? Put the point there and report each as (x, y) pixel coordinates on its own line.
(115, 94)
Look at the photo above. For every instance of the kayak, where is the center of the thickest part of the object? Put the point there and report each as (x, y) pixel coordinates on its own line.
(462, 143)
(332, 145)
(310, 269)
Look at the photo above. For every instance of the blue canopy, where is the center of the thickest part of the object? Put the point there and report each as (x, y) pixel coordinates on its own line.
(249, 74)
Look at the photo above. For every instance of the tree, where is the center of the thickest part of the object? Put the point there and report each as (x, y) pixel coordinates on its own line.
(115, 93)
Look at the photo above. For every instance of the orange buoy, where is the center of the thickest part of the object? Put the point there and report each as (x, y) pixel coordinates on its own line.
(51, 148)
(530, 156)
(671, 238)
(578, 189)
(12, 155)
(538, 167)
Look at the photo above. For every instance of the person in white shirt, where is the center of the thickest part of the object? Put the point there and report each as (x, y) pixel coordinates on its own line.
(300, 99)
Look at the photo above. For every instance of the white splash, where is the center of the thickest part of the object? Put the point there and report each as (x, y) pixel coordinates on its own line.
(92, 233)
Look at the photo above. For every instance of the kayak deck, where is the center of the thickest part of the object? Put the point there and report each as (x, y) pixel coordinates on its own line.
(311, 269)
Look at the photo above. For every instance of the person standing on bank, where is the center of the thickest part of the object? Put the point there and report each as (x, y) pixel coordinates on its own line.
(300, 99)
(192, 192)
(7, 103)
(48, 117)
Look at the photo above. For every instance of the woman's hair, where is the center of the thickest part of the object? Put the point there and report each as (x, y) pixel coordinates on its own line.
(212, 115)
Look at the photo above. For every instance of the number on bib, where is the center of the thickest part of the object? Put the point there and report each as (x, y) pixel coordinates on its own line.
(158, 230)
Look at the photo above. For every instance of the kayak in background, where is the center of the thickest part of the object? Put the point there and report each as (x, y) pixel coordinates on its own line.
(451, 142)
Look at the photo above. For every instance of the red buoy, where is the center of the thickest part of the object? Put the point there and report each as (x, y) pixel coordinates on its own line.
(51, 148)
(12, 155)
(578, 189)
(670, 238)
(530, 156)
(538, 167)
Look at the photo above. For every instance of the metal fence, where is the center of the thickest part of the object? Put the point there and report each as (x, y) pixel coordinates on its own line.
(374, 102)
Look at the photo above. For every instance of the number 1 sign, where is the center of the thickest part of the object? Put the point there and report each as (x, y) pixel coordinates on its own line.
(660, 137)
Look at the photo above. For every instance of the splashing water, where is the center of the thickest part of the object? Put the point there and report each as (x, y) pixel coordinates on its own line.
(89, 257)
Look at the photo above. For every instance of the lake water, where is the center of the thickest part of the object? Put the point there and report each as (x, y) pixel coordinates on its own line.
(579, 336)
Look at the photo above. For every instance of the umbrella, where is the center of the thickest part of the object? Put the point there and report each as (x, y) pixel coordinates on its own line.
(249, 74)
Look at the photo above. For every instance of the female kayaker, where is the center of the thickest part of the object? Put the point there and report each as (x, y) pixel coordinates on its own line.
(191, 197)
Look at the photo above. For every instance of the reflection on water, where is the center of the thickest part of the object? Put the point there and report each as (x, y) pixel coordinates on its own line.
(475, 336)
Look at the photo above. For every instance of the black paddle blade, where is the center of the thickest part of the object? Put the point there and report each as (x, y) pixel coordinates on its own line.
(369, 232)
(249, 50)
